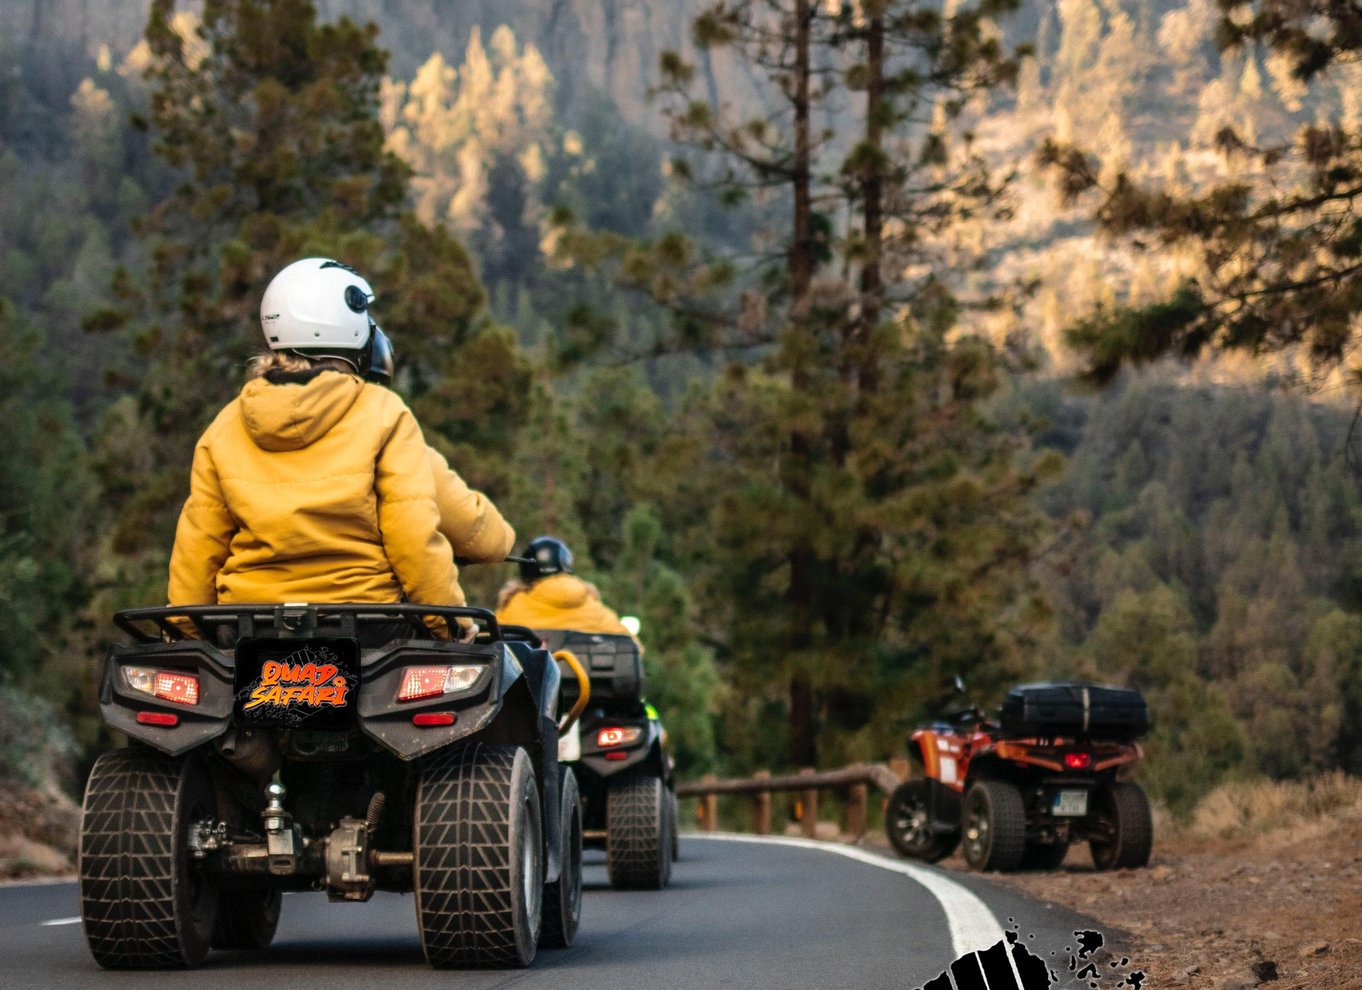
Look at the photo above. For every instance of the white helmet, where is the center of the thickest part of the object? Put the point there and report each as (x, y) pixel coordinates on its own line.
(320, 307)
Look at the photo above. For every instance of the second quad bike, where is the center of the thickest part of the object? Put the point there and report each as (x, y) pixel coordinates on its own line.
(335, 748)
(623, 768)
(1016, 792)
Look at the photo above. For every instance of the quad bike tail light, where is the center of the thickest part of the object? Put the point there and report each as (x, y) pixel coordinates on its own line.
(427, 682)
(168, 685)
(617, 736)
(1077, 761)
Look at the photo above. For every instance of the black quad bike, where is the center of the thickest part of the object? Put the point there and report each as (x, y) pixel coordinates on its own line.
(334, 748)
(625, 772)
(1017, 792)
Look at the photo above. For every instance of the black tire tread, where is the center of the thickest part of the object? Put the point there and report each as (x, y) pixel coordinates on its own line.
(464, 865)
(1007, 825)
(127, 864)
(936, 848)
(563, 898)
(635, 824)
(1134, 827)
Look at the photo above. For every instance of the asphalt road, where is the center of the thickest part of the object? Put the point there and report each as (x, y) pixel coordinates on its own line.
(738, 914)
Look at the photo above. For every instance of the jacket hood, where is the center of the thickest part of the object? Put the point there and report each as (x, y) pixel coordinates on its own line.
(292, 415)
(562, 591)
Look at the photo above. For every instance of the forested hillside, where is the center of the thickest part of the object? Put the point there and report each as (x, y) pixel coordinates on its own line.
(822, 505)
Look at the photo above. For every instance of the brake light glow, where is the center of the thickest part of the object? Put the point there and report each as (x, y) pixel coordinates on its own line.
(617, 754)
(428, 682)
(617, 736)
(179, 688)
(1077, 761)
(183, 689)
(166, 719)
(428, 719)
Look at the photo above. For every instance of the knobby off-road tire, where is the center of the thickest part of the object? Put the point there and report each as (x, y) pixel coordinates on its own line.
(562, 911)
(479, 870)
(1125, 810)
(143, 903)
(247, 919)
(1042, 857)
(668, 834)
(994, 826)
(676, 824)
(637, 850)
(909, 825)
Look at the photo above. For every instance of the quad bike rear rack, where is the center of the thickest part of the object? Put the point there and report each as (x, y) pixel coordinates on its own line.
(300, 620)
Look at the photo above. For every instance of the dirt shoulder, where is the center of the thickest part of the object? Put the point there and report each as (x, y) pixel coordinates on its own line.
(1282, 909)
(38, 833)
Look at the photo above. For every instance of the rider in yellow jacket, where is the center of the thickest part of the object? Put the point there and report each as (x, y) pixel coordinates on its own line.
(549, 596)
(315, 485)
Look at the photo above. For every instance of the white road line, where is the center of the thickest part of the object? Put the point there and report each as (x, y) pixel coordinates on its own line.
(60, 921)
(972, 924)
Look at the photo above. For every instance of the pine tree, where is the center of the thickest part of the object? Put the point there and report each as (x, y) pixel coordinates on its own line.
(865, 534)
(1280, 259)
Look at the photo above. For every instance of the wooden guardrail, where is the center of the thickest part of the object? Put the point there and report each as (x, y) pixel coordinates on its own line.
(852, 782)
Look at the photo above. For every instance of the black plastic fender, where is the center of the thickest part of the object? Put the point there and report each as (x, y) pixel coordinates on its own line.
(119, 703)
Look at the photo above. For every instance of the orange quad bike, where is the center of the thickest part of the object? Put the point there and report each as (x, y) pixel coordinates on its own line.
(1018, 791)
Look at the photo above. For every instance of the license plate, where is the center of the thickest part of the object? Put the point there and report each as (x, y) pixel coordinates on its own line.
(1070, 804)
(570, 744)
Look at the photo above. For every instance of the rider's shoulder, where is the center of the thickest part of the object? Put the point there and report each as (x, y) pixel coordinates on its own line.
(382, 402)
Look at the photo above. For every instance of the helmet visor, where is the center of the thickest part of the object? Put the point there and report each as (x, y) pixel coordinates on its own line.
(380, 354)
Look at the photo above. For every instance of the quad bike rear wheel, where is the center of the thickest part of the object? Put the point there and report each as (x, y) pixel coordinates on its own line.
(1127, 826)
(676, 823)
(479, 871)
(247, 919)
(144, 903)
(562, 911)
(908, 822)
(637, 849)
(994, 826)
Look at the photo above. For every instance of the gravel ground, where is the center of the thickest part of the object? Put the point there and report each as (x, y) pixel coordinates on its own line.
(1281, 910)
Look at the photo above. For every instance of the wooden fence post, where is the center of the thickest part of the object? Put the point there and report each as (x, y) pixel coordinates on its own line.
(809, 806)
(709, 806)
(761, 807)
(854, 817)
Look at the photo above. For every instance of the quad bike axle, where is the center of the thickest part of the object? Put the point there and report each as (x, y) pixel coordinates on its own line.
(343, 862)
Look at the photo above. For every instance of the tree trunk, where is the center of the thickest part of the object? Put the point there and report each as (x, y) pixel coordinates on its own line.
(801, 245)
(803, 725)
(800, 596)
(872, 279)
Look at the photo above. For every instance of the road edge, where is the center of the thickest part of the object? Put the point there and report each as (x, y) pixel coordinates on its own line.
(971, 922)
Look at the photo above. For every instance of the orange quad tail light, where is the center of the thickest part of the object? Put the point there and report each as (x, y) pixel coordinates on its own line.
(617, 736)
(1077, 761)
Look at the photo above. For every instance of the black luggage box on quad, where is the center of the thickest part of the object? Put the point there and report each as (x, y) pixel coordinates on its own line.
(1075, 709)
(613, 662)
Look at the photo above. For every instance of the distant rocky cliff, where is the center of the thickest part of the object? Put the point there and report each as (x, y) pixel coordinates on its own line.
(611, 45)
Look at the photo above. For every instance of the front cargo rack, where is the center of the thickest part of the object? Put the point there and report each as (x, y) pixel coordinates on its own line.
(298, 621)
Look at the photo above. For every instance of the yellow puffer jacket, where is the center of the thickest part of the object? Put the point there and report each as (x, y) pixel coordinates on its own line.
(559, 601)
(323, 490)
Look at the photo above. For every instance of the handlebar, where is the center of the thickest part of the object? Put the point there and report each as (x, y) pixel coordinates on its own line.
(509, 559)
